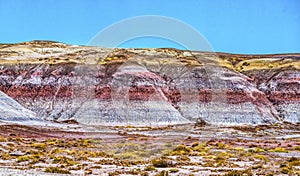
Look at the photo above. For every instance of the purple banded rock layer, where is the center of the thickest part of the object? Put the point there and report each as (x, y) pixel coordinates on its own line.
(101, 86)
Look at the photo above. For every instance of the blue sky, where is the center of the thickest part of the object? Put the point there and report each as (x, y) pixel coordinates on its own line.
(236, 26)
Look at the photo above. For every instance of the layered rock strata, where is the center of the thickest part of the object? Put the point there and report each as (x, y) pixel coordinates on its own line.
(102, 86)
(12, 111)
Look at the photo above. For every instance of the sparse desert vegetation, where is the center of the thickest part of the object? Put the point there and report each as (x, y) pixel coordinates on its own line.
(133, 156)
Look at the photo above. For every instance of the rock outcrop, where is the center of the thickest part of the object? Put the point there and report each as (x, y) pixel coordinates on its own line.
(101, 86)
(279, 79)
(12, 111)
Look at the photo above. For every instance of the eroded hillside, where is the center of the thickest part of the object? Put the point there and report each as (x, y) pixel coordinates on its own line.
(94, 85)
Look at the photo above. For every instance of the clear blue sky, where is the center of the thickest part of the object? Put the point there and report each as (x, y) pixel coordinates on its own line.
(236, 26)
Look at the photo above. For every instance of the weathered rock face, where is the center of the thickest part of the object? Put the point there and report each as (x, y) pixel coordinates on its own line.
(13, 111)
(280, 82)
(149, 86)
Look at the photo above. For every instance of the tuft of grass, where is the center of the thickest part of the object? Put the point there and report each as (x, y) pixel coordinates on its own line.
(195, 144)
(239, 173)
(40, 146)
(261, 157)
(173, 170)
(286, 170)
(161, 163)
(115, 173)
(57, 170)
(6, 156)
(133, 172)
(239, 149)
(220, 160)
(2, 139)
(251, 150)
(258, 150)
(144, 174)
(220, 145)
(163, 173)
(23, 158)
(183, 158)
(181, 150)
(64, 160)
(150, 168)
(294, 161)
(259, 166)
(279, 149)
(103, 62)
(128, 156)
(200, 147)
(297, 148)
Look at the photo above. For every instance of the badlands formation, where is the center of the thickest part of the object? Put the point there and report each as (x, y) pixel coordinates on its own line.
(103, 86)
(84, 110)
